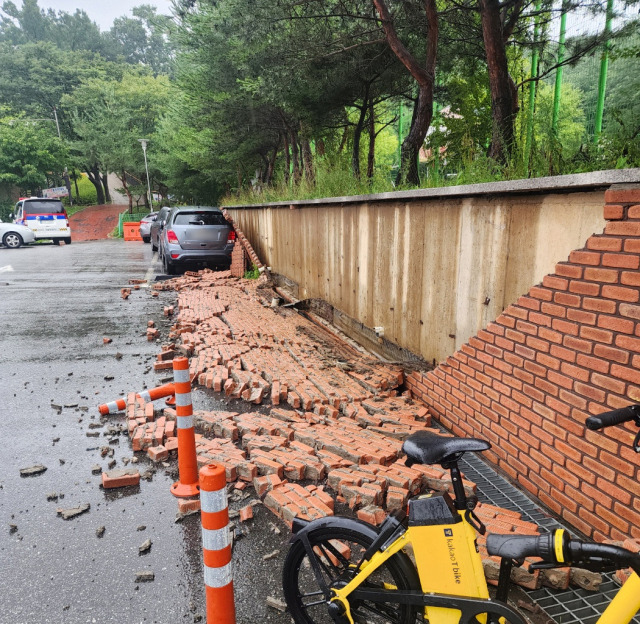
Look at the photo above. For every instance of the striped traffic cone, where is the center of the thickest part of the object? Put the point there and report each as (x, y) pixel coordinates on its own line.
(119, 405)
(216, 545)
(187, 461)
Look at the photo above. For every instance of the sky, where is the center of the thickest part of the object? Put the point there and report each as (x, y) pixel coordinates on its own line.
(103, 12)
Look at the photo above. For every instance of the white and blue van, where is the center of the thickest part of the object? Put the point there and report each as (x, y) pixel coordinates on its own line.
(47, 218)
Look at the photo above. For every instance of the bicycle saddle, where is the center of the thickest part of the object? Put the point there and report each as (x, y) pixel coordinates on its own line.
(424, 447)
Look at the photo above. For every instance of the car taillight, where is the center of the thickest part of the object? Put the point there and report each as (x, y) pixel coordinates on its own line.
(231, 237)
(171, 236)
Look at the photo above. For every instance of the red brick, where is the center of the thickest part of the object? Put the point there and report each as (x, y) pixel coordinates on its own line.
(626, 342)
(553, 310)
(558, 283)
(598, 242)
(580, 316)
(622, 196)
(592, 363)
(569, 270)
(633, 212)
(589, 391)
(186, 505)
(621, 293)
(246, 513)
(609, 276)
(631, 375)
(630, 278)
(623, 261)
(623, 228)
(585, 257)
(567, 299)
(608, 383)
(157, 453)
(597, 335)
(616, 324)
(585, 288)
(537, 292)
(608, 307)
(632, 245)
(611, 353)
(613, 212)
(120, 478)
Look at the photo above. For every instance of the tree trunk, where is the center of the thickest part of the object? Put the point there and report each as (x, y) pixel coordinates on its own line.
(93, 173)
(105, 183)
(123, 178)
(272, 164)
(297, 171)
(307, 156)
(504, 98)
(424, 76)
(287, 157)
(75, 182)
(320, 149)
(371, 159)
(357, 133)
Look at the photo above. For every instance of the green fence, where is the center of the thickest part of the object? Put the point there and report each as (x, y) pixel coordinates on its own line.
(127, 216)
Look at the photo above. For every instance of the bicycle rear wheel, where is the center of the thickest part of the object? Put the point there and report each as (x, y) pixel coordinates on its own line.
(335, 548)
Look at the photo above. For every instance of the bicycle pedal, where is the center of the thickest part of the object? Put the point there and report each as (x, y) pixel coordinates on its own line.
(337, 613)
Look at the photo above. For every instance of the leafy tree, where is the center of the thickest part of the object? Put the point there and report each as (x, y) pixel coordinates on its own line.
(31, 154)
(108, 118)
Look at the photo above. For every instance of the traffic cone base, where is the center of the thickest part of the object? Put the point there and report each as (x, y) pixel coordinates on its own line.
(185, 490)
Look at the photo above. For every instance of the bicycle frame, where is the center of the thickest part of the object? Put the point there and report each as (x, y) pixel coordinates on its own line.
(625, 604)
(454, 589)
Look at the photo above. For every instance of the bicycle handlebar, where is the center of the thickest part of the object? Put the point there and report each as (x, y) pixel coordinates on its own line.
(558, 549)
(614, 417)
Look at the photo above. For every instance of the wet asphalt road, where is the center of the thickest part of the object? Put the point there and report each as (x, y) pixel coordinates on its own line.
(56, 305)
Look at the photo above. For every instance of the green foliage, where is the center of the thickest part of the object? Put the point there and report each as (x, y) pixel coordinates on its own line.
(252, 273)
(87, 195)
(29, 150)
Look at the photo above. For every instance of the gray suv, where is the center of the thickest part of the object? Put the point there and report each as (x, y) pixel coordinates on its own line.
(196, 235)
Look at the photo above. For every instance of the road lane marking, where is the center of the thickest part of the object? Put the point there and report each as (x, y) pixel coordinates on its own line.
(150, 271)
(6, 268)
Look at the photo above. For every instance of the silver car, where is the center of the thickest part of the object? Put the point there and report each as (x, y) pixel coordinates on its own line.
(196, 235)
(145, 226)
(13, 235)
(156, 227)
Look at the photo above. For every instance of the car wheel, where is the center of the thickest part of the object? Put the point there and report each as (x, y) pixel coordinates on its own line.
(154, 247)
(56, 241)
(169, 267)
(13, 240)
(146, 239)
(67, 241)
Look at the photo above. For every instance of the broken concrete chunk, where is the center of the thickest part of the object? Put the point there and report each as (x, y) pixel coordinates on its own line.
(72, 512)
(52, 496)
(145, 576)
(275, 603)
(32, 470)
(145, 547)
(271, 555)
(96, 469)
(100, 531)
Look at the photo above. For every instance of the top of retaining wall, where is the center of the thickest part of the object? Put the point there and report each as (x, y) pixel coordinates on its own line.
(552, 184)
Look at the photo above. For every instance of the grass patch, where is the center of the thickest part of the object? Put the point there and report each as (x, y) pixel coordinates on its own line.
(252, 273)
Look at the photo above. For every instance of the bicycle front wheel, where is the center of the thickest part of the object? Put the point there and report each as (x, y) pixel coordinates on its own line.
(335, 549)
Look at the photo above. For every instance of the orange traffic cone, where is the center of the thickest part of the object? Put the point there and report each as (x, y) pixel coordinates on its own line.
(216, 545)
(187, 462)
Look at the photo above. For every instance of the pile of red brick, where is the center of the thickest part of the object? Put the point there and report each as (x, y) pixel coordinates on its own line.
(341, 431)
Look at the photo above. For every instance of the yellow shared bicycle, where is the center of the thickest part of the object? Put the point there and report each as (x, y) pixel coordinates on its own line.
(425, 566)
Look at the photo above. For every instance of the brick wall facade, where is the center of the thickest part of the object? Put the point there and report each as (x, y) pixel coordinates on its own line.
(567, 349)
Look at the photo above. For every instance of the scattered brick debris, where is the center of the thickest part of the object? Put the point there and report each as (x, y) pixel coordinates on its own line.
(72, 512)
(32, 470)
(120, 478)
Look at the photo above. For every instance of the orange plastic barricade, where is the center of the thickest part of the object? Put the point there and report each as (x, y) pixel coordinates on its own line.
(216, 545)
(187, 461)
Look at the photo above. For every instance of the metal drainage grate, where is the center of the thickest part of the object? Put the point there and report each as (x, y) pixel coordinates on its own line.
(572, 606)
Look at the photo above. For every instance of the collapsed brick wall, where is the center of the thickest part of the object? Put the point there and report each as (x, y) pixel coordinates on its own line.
(567, 349)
